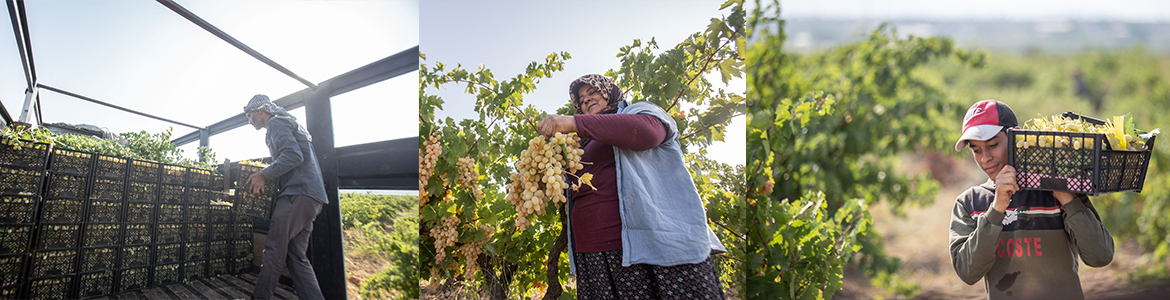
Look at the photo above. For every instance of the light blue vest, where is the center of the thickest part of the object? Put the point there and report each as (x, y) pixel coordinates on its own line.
(663, 219)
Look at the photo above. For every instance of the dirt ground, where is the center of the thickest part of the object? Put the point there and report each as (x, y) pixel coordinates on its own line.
(919, 239)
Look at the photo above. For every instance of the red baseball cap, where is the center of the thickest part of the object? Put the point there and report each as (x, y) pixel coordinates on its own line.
(984, 120)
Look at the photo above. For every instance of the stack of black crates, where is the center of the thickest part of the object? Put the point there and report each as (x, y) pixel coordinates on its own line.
(75, 224)
(22, 174)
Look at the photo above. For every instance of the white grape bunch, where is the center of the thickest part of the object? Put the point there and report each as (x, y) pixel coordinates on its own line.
(471, 250)
(426, 164)
(468, 177)
(540, 174)
(445, 236)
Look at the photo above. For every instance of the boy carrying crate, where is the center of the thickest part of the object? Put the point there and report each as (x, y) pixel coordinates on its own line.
(1024, 244)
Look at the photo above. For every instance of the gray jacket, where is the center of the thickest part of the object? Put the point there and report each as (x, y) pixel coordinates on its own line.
(292, 152)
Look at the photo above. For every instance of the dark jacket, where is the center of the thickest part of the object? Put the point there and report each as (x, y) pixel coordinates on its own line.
(1031, 250)
(292, 153)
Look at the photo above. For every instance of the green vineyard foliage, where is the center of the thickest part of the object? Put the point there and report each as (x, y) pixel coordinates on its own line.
(826, 129)
(389, 226)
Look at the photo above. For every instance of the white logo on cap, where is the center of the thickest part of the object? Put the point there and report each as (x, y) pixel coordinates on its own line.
(974, 112)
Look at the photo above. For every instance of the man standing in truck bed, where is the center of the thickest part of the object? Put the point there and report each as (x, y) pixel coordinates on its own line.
(1024, 244)
(297, 205)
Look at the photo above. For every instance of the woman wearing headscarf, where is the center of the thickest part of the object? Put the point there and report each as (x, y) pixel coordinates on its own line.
(642, 233)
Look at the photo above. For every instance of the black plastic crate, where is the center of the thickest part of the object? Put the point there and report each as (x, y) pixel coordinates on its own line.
(135, 256)
(170, 212)
(197, 213)
(53, 263)
(32, 155)
(108, 189)
(220, 249)
(241, 265)
(198, 195)
(166, 274)
(173, 174)
(99, 259)
(17, 210)
(140, 212)
(102, 235)
(51, 288)
(15, 238)
(199, 177)
(62, 211)
(110, 167)
(58, 236)
(220, 231)
(218, 183)
(240, 203)
(12, 271)
(132, 279)
(195, 250)
(217, 266)
(168, 253)
(11, 290)
(194, 270)
(96, 284)
(173, 194)
(20, 182)
(143, 191)
(1090, 169)
(147, 171)
(240, 174)
(71, 162)
(67, 186)
(196, 232)
(169, 233)
(220, 213)
(242, 231)
(104, 211)
(241, 248)
(256, 205)
(139, 234)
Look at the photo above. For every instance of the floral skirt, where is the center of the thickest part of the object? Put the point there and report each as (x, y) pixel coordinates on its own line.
(600, 275)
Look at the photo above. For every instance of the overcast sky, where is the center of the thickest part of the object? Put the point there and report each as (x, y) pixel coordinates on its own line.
(1112, 10)
(143, 56)
(507, 36)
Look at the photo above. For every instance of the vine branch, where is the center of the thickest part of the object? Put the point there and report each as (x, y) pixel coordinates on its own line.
(706, 62)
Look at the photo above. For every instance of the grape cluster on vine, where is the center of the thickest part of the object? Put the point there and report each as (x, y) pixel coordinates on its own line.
(468, 177)
(445, 236)
(471, 250)
(540, 174)
(426, 164)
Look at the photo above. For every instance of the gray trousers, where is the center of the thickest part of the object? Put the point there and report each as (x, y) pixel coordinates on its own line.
(287, 240)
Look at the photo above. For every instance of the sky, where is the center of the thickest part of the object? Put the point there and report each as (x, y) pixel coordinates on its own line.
(1087, 10)
(143, 56)
(506, 36)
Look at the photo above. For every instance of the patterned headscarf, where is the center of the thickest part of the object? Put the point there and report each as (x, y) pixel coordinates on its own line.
(608, 89)
(261, 102)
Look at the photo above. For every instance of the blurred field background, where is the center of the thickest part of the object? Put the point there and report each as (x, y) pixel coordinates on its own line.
(381, 245)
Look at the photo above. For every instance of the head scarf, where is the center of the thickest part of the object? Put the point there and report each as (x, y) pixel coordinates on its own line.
(261, 102)
(608, 89)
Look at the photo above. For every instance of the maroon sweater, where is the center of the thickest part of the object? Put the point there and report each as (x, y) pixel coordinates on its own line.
(597, 224)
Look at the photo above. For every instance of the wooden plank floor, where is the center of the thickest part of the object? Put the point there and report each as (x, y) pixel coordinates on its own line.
(214, 288)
